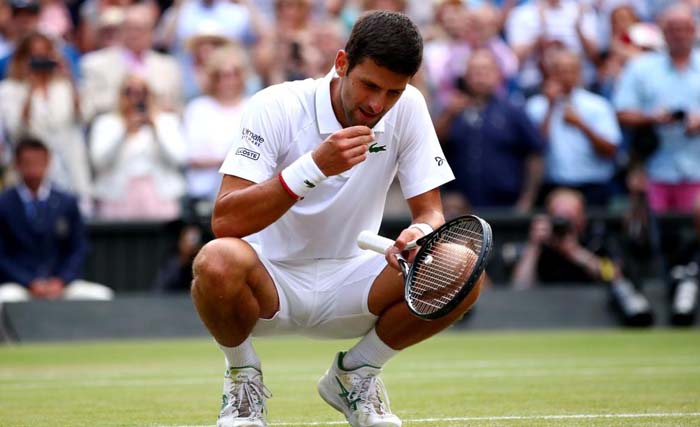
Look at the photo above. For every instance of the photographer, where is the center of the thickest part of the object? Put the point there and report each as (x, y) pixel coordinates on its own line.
(39, 99)
(137, 152)
(563, 249)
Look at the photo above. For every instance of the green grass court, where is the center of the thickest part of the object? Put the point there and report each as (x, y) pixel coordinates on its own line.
(613, 378)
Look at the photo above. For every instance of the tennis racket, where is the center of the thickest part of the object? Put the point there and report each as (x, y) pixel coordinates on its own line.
(446, 268)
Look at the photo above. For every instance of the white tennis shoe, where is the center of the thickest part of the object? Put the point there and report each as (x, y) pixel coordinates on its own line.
(359, 394)
(244, 399)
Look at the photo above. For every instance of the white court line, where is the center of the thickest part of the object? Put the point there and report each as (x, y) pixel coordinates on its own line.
(498, 418)
(22, 384)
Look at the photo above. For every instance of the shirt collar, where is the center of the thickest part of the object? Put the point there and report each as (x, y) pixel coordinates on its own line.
(325, 116)
(26, 194)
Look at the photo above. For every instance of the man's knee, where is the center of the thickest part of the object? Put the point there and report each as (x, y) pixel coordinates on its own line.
(219, 263)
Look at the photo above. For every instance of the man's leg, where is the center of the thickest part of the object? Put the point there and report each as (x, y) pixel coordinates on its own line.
(231, 291)
(396, 327)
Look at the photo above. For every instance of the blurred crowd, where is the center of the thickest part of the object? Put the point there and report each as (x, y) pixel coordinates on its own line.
(139, 101)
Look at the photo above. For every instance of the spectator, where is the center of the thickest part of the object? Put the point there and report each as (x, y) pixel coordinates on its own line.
(199, 47)
(533, 26)
(280, 56)
(42, 236)
(105, 70)
(628, 39)
(39, 99)
(212, 122)
(465, 31)
(581, 130)
(24, 21)
(240, 21)
(107, 28)
(176, 274)
(5, 16)
(562, 248)
(658, 93)
(136, 153)
(497, 148)
(55, 19)
(91, 14)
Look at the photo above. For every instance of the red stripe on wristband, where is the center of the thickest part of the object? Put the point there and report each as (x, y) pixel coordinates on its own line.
(287, 189)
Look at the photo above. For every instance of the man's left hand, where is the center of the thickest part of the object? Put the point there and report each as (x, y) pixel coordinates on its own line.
(406, 236)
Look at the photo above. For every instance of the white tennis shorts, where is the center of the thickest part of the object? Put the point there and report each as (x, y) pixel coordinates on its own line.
(322, 298)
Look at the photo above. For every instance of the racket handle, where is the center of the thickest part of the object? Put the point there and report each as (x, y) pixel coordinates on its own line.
(373, 242)
(377, 243)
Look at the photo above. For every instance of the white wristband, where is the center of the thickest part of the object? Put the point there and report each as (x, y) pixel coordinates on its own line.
(301, 176)
(423, 227)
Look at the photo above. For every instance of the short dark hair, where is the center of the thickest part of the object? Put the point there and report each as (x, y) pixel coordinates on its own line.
(390, 39)
(29, 143)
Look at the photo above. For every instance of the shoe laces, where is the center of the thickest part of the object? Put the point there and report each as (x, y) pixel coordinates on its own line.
(247, 396)
(370, 392)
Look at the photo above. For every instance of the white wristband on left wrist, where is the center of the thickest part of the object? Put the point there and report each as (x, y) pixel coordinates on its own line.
(423, 227)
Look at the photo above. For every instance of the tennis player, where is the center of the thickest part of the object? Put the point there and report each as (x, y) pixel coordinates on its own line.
(310, 170)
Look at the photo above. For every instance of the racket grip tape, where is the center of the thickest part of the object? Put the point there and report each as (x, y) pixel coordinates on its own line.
(369, 240)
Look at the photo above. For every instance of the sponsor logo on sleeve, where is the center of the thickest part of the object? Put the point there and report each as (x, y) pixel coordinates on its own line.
(439, 160)
(252, 155)
(252, 137)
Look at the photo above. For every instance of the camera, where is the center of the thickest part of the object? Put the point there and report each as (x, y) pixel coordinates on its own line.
(678, 115)
(42, 63)
(560, 226)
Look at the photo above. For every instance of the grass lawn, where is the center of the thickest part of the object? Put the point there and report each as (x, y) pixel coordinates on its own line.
(601, 378)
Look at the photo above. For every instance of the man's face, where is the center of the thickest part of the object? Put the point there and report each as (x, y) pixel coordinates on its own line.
(32, 165)
(137, 32)
(483, 75)
(679, 32)
(367, 92)
(567, 69)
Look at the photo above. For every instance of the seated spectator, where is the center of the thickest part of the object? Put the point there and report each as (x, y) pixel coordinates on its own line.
(104, 70)
(39, 99)
(137, 152)
(24, 21)
(43, 243)
(176, 274)
(658, 98)
(107, 28)
(212, 122)
(581, 131)
(494, 148)
(533, 26)
(563, 249)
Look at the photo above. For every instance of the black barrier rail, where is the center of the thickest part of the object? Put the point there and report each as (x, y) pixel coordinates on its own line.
(127, 255)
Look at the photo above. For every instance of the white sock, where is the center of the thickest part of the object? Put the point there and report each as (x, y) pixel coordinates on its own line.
(242, 355)
(370, 350)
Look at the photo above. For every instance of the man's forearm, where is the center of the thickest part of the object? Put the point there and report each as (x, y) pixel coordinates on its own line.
(247, 210)
(601, 146)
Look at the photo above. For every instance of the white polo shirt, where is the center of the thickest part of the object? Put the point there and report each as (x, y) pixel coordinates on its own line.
(285, 121)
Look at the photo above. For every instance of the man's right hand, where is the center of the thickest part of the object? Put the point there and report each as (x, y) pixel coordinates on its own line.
(343, 150)
(540, 230)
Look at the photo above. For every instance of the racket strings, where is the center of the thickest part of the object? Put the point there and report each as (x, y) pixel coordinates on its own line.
(453, 255)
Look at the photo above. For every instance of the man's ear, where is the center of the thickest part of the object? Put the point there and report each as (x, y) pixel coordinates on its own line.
(341, 63)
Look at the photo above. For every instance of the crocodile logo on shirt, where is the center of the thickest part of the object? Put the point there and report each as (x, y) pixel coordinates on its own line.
(374, 148)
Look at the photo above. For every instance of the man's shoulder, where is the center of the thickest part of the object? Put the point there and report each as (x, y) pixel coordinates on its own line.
(100, 58)
(285, 97)
(8, 195)
(648, 62)
(67, 199)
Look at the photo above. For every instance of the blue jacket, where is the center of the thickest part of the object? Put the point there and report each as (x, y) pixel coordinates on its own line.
(29, 249)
